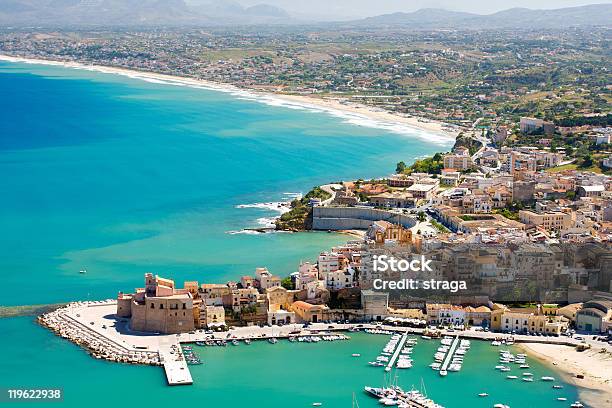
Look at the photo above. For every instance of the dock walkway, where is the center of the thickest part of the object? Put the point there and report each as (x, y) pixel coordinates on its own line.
(449, 355)
(175, 366)
(397, 351)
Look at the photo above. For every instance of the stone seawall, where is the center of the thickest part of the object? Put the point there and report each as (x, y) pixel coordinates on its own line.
(344, 218)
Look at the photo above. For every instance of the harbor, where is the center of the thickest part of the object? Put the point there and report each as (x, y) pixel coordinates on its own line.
(93, 326)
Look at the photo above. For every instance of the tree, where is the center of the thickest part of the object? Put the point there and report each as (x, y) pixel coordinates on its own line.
(401, 166)
(587, 161)
(421, 216)
(287, 283)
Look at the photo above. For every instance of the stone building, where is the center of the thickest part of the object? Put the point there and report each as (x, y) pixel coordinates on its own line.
(158, 307)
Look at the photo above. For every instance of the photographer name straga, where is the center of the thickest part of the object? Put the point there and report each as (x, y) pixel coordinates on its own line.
(414, 284)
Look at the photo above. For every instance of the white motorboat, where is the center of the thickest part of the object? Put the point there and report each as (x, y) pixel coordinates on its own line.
(548, 378)
(483, 394)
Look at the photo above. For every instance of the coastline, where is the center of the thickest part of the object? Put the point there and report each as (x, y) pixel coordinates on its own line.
(355, 113)
(595, 389)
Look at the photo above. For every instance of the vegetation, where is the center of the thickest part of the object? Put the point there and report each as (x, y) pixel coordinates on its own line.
(299, 218)
(421, 216)
(287, 283)
(431, 165)
(441, 228)
(511, 211)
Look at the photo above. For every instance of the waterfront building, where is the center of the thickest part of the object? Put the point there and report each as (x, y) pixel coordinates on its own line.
(306, 312)
(212, 316)
(595, 317)
(478, 316)
(570, 311)
(414, 313)
(280, 316)
(375, 305)
(158, 307)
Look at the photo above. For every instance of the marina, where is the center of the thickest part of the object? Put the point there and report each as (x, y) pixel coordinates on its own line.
(339, 355)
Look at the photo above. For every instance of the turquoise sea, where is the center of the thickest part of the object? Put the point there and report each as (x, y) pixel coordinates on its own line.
(122, 176)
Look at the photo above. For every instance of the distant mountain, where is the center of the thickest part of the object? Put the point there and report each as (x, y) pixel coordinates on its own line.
(266, 10)
(136, 12)
(231, 12)
(595, 14)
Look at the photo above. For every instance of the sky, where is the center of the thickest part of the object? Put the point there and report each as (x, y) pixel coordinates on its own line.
(348, 9)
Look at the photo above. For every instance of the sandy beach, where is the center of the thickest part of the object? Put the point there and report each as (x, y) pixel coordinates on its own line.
(596, 367)
(355, 113)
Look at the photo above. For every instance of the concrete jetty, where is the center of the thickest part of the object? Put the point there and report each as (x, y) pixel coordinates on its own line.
(175, 366)
(396, 353)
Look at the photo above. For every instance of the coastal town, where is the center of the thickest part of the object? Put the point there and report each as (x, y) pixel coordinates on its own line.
(500, 241)
(528, 232)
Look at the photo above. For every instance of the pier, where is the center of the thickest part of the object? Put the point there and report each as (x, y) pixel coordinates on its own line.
(398, 349)
(449, 355)
(174, 363)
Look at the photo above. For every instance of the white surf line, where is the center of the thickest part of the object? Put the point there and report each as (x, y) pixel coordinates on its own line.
(276, 100)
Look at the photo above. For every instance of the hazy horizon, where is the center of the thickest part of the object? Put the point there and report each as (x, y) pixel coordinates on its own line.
(348, 9)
